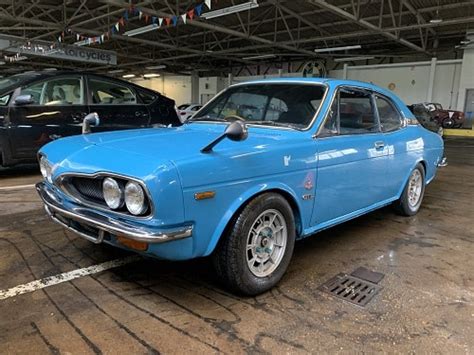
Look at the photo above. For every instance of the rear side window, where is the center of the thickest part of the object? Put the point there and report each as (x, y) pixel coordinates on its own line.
(147, 97)
(108, 93)
(351, 112)
(390, 119)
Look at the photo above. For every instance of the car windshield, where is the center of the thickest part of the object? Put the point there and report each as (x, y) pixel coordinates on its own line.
(438, 106)
(289, 105)
(183, 107)
(14, 80)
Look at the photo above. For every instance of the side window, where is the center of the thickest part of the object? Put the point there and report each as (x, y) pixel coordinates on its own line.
(275, 109)
(356, 114)
(351, 112)
(4, 100)
(390, 119)
(64, 91)
(108, 93)
(147, 97)
(35, 90)
(196, 108)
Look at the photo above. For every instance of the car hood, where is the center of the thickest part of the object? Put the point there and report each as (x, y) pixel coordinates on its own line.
(141, 152)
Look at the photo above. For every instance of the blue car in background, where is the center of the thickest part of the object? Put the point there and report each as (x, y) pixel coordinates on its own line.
(243, 190)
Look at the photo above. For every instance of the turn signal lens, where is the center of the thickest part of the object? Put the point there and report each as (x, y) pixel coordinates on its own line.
(132, 244)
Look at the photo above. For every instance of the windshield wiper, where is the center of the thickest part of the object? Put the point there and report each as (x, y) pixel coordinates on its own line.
(206, 118)
(271, 123)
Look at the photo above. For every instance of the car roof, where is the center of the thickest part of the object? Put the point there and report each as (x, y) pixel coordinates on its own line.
(32, 76)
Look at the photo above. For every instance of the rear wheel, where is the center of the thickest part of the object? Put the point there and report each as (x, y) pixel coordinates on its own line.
(412, 196)
(448, 123)
(256, 250)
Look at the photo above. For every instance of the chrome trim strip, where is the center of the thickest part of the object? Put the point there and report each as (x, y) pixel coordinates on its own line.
(97, 220)
(59, 181)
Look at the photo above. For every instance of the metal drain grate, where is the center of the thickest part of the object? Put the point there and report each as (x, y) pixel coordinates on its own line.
(351, 289)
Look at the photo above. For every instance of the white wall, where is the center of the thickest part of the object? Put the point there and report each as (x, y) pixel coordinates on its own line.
(412, 80)
(177, 88)
(467, 75)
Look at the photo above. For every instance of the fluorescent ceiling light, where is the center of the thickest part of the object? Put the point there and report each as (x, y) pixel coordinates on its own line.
(436, 20)
(465, 41)
(322, 50)
(151, 75)
(350, 59)
(230, 10)
(116, 71)
(263, 56)
(128, 76)
(156, 67)
(141, 30)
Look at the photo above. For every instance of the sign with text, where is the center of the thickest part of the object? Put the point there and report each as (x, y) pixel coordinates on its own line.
(58, 51)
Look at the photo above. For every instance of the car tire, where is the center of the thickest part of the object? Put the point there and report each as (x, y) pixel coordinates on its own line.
(448, 123)
(256, 248)
(412, 195)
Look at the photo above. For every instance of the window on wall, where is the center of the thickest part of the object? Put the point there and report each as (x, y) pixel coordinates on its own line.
(63, 91)
(351, 112)
(390, 119)
(108, 93)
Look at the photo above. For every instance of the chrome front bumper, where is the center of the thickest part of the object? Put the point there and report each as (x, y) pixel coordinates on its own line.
(98, 224)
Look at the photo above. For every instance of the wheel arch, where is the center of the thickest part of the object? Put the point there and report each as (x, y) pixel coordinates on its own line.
(244, 199)
(405, 180)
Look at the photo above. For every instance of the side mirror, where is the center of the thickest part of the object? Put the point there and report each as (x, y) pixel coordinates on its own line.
(236, 131)
(22, 100)
(92, 119)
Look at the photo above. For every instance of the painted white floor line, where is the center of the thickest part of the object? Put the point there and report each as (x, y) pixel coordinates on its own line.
(17, 187)
(64, 277)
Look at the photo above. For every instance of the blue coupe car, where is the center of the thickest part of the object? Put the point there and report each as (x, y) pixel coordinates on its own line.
(242, 185)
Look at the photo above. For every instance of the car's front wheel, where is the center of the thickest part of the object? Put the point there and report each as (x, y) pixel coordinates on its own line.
(412, 196)
(255, 251)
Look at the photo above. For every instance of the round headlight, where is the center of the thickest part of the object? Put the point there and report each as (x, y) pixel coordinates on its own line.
(113, 194)
(45, 169)
(135, 198)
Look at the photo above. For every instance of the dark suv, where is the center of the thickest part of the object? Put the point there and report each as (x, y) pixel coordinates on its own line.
(37, 107)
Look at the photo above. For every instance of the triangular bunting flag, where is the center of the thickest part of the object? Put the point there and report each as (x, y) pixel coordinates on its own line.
(147, 17)
(160, 21)
(140, 14)
(122, 22)
(183, 16)
(117, 27)
(153, 19)
(125, 15)
(59, 39)
(168, 21)
(191, 14)
(198, 10)
(102, 37)
(78, 36)
(208, 3)
(107, 34)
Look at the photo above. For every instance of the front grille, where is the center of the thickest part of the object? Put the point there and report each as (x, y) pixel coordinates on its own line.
(90, 189)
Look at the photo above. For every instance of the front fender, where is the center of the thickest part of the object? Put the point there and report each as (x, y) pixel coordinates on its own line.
(242, 200)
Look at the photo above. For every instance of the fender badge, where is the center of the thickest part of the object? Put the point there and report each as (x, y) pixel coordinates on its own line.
(308, 185)
(307, 197)
(286, 160)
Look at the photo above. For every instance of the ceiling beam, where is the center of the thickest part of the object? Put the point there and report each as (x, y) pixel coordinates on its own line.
(384, 32)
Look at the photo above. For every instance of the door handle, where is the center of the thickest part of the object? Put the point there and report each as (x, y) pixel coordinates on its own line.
(379, 145)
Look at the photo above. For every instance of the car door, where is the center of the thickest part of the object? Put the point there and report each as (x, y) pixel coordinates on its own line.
(117, 104)
(56, 105)
(351, 158)
(397, 141)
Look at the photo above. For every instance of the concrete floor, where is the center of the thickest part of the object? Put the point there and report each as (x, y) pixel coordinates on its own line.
(426, 305)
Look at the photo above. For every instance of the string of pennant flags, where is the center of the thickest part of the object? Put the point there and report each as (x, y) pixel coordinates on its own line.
(195, 12)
